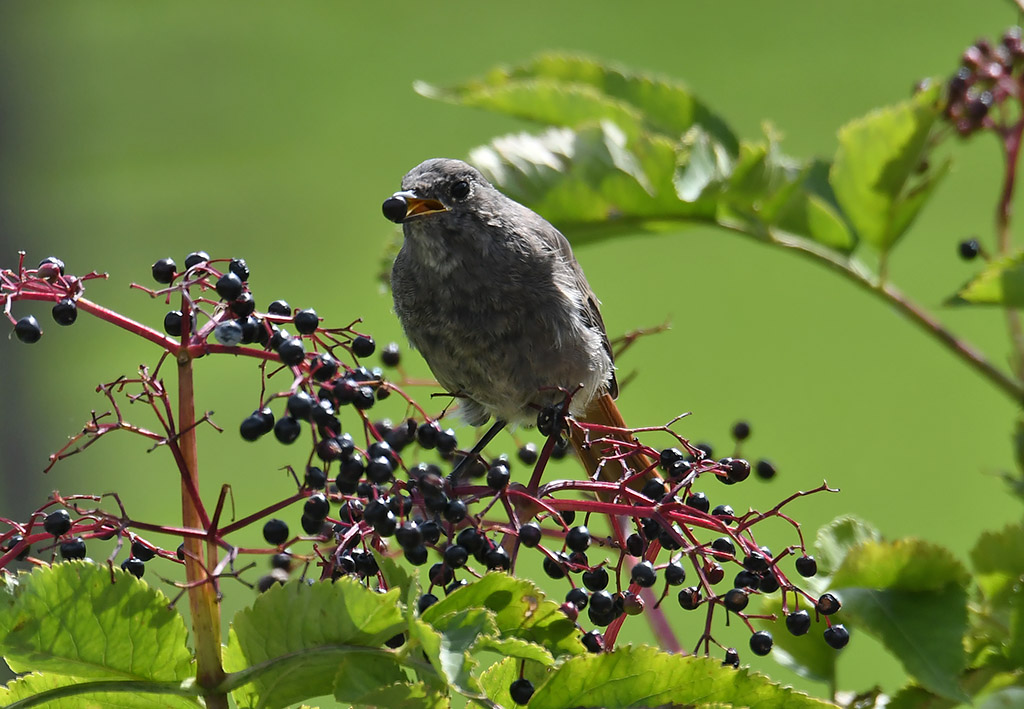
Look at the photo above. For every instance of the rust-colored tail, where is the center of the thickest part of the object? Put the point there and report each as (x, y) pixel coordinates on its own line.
(603, 411)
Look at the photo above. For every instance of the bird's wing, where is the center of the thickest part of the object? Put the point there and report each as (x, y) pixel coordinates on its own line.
(589, 309)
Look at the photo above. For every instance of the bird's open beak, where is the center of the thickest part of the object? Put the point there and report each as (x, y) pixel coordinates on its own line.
(405, 205)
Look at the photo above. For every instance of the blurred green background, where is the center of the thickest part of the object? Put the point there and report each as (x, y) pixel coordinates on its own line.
(273, 131)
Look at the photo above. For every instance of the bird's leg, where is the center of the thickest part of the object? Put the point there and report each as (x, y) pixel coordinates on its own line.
(493, 431)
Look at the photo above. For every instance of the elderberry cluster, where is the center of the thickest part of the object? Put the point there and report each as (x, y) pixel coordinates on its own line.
(646, 525)
(988, 76)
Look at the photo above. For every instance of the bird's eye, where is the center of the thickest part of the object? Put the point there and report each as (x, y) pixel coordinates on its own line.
(460, 190)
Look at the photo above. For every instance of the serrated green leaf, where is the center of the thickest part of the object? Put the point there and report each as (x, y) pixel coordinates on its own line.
(1000, 283)
(998, 561)
(705, 166)
(136, 697)
(591, 91)
(516, 647)
(836, 538)
(449, 654)
(408, 695)
(591, 176)
(807, 655)
(912, 596)
(316, 626)
(811, 210)
(904, 564)
(394, 573)
(642, 677)
(519, 608)
(876, 172)
(70, 619)
(497, 678)
(359, 674)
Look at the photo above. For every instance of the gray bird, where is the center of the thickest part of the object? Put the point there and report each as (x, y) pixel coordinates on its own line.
(492, 296)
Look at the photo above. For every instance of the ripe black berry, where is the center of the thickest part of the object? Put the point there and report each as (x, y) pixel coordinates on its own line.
(316, 478)
(498, 475)
(635, 544)
(596, 579)
(440, 575)
(747, 579)
(578, 538)
(755, 561)
(529, 534)
(714, 572)
(643, 574)
(764, 469)
(425, 601)
(741, 430)
(229, 286)
(577, 597)
(291, 351)
(287, 429)
(300, 405)
(806, 566)
(699, 501)
(416, 555)
(427, 433)
(724, 511)
(163, 270)
(323, 366)
(689, 598)
(498, 558)
(679, 469)
(64, 311)
(521, 690)
(654, 489)
(275, 531)
(306, 321)
(391, 355)
(134, 566)
(446, 441)
(57, 523)
(735, 600)
(142, 552)
(172, 323)
(593, 641)
(761, 643)
(528, 453)
(195, 258)
(553, 568)
(837, 636)
(732, 658)
(380, 469)
(409, 535)
(316, 506)
(240, 268)
(455, 511)
(828, 604)
(27, 329)
(769, 584)
(706, 450)
(798, 623)
(724, 545)
(280, 307)
(243, 306)
(969, 249)
(675, 574)
(363, 346)
(73, 549)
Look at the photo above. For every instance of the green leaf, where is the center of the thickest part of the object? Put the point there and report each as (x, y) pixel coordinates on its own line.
(812, 210)
(448, 651)
(394, 573)
(705, 165)
(71, 620)
(912, 596)
(305, 633)
(497, 678)
(408, 695)
(133, 694)
(642, 677)
(519, 610)
(876, 172)
(835, 540)
(998, 561)
(1000, 283)
(359, 674)
(566, 90)
(515, 647)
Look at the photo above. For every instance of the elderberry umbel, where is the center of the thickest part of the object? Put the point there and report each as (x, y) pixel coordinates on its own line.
(367, 471)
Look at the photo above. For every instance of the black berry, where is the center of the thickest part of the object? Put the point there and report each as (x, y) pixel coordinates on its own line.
(732, 658)
(969, 249)
(806, 566)
(798, 623)
(275, 531)
(578, 538)
(689, 598)
(593, 641)
(287, 429)
(163, 270)
(195, 258)
(316, 478)
(741, 430)
(57, 523)
(735, 600)
(828, 604)
(643, 574)
(837, 636)
(761, 643)
(291, 351)
(306, 321)
(27, 329)
(134, 566)
(390, 356)
(764, 469)
(521, 690)
(229, 286)
(142, 552)
(65, 312)
(363, 346)
(316, 506)
(280, 307)
(528, 453)
(172, 323)
(675, 574)
(529, 534)
(596, 579)
(240, 268)
(699, 501)
(73, 549)
(425, 601)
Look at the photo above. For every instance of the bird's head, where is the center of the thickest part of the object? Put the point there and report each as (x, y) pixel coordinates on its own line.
(439, 187)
